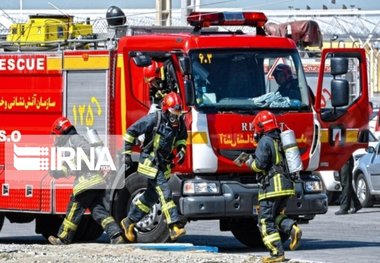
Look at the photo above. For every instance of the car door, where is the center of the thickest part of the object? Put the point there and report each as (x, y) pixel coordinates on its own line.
(373, 168)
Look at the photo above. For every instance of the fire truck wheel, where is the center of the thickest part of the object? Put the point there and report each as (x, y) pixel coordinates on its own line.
(48, 225)
(88, 229)
(1, 221)
(246, 231)
(152, 228)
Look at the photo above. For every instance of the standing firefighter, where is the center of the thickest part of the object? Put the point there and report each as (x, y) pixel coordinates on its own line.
(164, 130)
(277, 187)
(154, 77)
(158, 77)
(88, 192)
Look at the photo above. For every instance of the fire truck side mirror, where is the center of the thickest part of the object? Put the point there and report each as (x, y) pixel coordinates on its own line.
(339, 92)
(189, 93)
(339, 66)
(339, 86)
(142, 60)
(184, 63)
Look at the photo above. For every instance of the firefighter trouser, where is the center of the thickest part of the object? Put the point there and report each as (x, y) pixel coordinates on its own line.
(158, 189)
(272, 220)
(93, 200)
(349, 196)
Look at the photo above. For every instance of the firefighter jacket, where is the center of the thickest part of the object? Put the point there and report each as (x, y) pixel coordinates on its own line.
(160, 141)
(269, 162)
(85, 179)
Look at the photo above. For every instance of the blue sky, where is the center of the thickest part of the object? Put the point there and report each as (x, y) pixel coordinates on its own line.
(245, 4)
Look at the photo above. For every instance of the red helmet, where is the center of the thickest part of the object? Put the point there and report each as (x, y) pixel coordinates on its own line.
(172, 102)
(283, 69)
(265, 121)
(151, 72)
(61, 126)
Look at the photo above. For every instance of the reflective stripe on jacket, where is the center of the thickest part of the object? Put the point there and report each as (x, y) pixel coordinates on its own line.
(84, 179)
(268, 155)
(158, 145)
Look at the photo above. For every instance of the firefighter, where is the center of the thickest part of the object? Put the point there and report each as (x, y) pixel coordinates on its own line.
(88, 191)
(165, 131)
(154, 77)
(276, 187)
(288, 85)
(349, 197)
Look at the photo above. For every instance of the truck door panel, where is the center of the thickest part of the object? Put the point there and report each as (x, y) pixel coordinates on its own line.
(342, 127)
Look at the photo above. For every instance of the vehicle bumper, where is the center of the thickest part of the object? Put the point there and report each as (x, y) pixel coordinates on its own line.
(238, 199)
(330, 180)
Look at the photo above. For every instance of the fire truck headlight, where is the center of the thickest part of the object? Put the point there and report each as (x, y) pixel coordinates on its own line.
(313, 186)
(200, 188)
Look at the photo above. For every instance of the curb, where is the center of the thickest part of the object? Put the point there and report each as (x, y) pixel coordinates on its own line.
(176, 247)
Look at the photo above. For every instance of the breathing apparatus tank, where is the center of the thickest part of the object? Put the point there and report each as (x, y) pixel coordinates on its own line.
(292, 153)
(95, 141)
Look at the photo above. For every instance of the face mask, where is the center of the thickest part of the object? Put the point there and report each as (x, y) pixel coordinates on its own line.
(173, 118)
(257, 136)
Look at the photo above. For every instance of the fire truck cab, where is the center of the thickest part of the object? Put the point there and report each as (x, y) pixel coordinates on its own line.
(224, 77)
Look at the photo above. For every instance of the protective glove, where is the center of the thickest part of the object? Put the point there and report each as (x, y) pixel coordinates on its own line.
(128, 160)
(249, 161)
(181, 157)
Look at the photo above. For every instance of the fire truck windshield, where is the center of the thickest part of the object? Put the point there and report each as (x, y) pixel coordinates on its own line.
(247, 79)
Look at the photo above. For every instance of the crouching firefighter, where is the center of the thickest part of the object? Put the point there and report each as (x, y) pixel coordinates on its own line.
(88, 191)
(276, 187)
(164, 131)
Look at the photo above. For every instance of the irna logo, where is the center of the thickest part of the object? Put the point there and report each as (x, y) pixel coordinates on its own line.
(54, 158)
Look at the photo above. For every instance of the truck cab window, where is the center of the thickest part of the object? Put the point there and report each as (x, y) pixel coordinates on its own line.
(244, 80)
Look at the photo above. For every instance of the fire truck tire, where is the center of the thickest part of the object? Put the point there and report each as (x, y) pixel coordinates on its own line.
(1, 221)
(246, 231)
(88, 229)
(152, 228)
(48, 225)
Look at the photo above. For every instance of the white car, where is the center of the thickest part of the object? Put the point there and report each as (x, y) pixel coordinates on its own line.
(366, 176)
(330, 179)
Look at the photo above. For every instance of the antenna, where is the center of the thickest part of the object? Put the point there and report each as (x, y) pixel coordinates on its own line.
(59, 10)
(7, 15)
(21, 7)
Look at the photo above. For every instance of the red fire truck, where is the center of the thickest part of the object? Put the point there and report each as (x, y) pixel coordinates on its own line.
(224, 79)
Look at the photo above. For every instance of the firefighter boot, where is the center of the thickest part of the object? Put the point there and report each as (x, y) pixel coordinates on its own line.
(55, 241)
(128, 227)
(273, 259)
(295, 236)
(117, 239)
(176, 231)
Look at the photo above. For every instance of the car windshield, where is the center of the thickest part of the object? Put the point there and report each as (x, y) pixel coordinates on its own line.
(244, 80)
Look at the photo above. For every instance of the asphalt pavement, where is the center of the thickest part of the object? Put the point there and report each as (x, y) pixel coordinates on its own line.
(327, 238)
